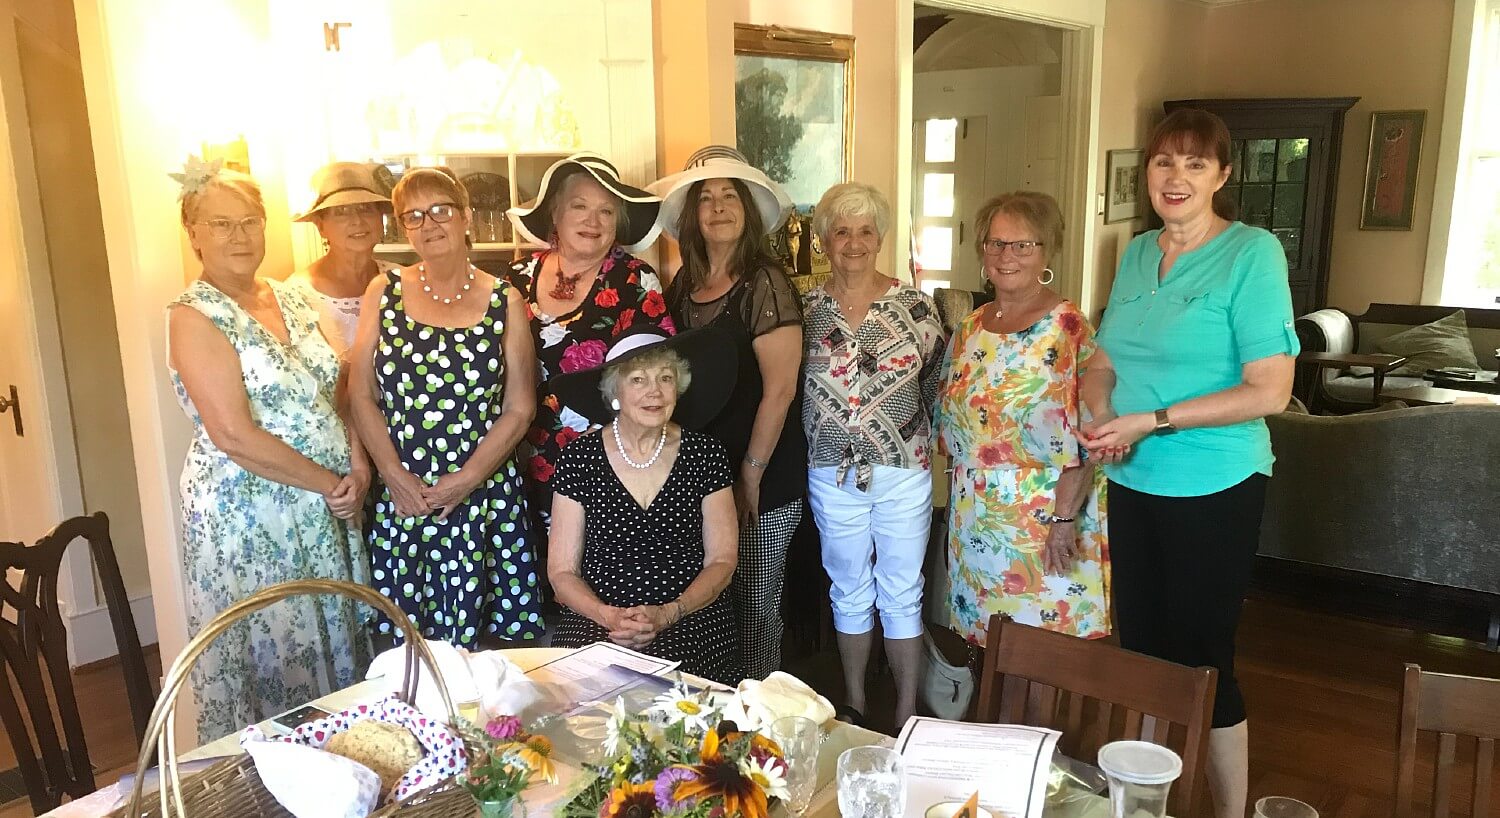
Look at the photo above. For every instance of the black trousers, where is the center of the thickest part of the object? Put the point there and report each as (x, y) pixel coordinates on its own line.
(1180, 569)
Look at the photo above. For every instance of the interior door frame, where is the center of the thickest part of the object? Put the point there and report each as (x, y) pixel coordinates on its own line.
(1082, 59)
(43, 385)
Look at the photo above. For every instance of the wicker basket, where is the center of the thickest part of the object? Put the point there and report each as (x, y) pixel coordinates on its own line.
(232, 788)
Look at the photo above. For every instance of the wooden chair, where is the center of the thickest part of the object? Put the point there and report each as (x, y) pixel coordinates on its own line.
(34, 648)
(1096, 693)
(1450, 706)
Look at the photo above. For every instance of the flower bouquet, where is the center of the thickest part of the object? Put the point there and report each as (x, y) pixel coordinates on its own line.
(680, 759)
(502, 763)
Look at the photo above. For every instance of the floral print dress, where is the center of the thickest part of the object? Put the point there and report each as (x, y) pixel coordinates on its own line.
(441, 389)
(242, 532)
(625, 293)
(1006, 412)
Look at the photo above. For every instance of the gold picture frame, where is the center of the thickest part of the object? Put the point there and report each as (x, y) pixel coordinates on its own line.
(1391, 169)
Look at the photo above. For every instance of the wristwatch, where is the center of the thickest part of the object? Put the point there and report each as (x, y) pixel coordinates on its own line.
(1163, 423)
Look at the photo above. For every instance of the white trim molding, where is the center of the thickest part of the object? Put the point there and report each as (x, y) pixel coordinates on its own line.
(91, 635)
(1463, 78)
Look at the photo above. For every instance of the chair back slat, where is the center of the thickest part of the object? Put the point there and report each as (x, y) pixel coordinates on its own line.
(1454, 707)
(34, 651)
(1109, 694)
(1041, 705)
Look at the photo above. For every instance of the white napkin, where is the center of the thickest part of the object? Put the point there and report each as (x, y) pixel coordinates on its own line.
(312, 783)
(756, 705)
(501, 688)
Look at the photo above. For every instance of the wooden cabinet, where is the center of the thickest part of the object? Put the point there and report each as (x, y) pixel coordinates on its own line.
(1286, 161)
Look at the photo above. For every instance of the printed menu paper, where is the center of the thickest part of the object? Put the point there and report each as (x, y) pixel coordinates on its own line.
(946, 761)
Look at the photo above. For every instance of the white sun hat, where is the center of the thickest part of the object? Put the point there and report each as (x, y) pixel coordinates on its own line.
(720, 162)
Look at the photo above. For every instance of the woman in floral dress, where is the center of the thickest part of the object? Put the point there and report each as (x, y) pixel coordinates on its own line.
(268, 491)
(582, 292)
(442, 393)
(1025, 509)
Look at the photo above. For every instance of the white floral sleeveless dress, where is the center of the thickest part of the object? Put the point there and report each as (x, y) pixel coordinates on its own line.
(441, 389)
(242, 532)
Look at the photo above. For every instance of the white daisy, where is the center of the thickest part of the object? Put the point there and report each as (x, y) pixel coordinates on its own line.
(769, 775)
(679, 706)
(614, 729)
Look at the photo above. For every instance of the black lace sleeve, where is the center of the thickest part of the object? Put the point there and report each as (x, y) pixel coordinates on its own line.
(772, 302)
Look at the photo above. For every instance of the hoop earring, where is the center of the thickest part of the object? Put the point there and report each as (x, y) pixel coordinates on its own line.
(1051, 276)
(615, 404)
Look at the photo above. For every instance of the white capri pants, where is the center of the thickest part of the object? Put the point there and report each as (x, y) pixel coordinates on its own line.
(874, 544)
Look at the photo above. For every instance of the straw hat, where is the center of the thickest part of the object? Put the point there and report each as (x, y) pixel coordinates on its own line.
(534, 221)
(721, 162)
(345, 183)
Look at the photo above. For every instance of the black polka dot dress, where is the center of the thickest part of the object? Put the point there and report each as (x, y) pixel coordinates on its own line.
(440, 390)
(634, 556)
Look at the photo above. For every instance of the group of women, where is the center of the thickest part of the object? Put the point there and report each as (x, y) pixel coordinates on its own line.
(653, 449)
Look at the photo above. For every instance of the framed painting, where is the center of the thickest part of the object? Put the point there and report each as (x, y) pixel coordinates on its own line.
(1391, 172)
(793, 105)
(1124, 185)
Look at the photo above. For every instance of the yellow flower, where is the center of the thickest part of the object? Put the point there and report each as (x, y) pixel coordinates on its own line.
(536, 754)
(720, 777)
(628, 800)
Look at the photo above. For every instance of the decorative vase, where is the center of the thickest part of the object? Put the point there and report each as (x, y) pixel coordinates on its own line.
(505, 808)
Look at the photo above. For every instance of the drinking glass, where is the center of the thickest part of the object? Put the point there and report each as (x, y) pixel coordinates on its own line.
(872, 783)
(799, 738)
(1140, 775)
(1279, 806)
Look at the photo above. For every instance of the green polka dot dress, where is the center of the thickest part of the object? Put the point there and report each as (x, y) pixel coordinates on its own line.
(441, 389)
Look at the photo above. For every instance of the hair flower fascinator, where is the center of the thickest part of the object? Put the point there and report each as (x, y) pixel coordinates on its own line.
(196, 174)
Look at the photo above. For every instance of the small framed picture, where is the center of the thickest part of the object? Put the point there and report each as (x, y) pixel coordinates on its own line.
(1124, 186)
(1391, 172)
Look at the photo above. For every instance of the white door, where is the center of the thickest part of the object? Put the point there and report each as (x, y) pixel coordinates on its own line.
(949, 184)
(1042, 122)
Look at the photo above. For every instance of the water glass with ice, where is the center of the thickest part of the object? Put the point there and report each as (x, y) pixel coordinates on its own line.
(799, 738)
(872, 783)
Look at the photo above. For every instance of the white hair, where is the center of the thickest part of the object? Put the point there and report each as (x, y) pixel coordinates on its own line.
(851, 199)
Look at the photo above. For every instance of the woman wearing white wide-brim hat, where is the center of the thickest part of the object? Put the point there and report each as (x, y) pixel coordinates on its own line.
(720, 209)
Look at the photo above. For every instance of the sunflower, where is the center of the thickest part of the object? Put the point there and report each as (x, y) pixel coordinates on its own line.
(631, 801)
(720, 777)
(535, 753)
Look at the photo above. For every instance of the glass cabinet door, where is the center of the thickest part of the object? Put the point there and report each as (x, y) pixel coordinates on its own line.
(1268, 184)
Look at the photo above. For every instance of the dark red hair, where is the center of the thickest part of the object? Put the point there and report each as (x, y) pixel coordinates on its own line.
(1195, 132)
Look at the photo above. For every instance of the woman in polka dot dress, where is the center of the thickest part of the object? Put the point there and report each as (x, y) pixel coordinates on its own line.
(644, 539)
(442, 393)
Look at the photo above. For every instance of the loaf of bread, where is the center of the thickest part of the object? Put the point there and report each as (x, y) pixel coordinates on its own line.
(387, 749)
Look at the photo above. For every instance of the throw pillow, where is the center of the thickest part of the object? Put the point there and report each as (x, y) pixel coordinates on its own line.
(1443, 343)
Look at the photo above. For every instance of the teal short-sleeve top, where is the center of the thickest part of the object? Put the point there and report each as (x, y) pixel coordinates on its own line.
(1221, 306)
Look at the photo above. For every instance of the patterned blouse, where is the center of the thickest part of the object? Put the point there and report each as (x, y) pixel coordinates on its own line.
(868, 393)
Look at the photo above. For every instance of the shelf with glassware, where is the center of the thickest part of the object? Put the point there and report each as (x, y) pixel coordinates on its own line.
(494, 181)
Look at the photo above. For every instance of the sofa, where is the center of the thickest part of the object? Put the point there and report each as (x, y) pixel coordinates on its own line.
(1408, 493)
(1334, 330)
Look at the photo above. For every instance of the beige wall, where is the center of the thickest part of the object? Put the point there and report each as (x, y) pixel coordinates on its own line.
(1393, 54)
(1152, 49)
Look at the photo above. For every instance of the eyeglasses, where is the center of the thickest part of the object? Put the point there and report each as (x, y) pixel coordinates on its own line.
(224, 228)
(353, 211)
(439, 213)
(1021, 249)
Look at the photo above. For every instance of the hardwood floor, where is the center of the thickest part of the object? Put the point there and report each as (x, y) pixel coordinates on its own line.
(1323, 691)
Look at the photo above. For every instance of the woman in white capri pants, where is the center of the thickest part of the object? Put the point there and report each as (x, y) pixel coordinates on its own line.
(874, 350)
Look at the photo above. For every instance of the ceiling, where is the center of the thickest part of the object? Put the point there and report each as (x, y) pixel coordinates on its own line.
(945, 40)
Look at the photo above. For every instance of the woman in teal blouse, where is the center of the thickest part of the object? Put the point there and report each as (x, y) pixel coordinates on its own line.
(1199, 348)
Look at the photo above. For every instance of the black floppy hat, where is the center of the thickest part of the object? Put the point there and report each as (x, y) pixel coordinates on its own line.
(711, 357)
(534, 220)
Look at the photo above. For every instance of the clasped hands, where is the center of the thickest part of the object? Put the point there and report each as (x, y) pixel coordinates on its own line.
(636, 627)
(1109, 438)
(414, 498)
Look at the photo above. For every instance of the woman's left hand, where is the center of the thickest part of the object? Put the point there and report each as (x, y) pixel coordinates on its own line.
(747, 496)
(647, 621)
(1120, 433)
(1060, 549)
(448, 492)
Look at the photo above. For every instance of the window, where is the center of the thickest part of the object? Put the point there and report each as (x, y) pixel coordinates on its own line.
(1470, 273)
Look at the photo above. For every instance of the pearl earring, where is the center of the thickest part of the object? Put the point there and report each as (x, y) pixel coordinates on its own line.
(615, 404)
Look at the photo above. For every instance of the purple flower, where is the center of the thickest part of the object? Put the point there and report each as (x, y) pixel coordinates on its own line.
(505, 727)
(586, 355)
(666, 788)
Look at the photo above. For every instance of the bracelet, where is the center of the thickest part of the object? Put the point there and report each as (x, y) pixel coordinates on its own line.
(1056, 519)
(679, 612)
(759, 464)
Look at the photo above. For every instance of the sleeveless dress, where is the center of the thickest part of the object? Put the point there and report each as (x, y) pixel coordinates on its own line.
(635, 556)
(1005, 415)
(441, 389)
(242, 532)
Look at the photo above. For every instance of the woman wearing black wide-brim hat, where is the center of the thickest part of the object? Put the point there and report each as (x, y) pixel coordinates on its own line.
(583, 290)
(644, 539)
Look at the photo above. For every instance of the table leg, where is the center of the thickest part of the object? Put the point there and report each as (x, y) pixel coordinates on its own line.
(1379, 383)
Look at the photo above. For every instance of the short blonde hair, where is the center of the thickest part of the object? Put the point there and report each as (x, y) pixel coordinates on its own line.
(233, 182)
(436, 179)
(609, 382)
(850, 199)
(1036, 209)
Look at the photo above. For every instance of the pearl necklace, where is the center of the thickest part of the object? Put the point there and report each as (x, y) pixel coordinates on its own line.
(427, 288)
(660, 444)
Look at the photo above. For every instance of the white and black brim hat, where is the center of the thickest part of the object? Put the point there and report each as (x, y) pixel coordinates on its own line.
(534, 221)
(711, 356)
(720, 162)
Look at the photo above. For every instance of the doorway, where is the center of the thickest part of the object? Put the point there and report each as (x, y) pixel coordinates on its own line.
(987, 119)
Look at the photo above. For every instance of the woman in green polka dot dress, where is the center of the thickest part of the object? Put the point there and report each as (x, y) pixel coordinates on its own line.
(442, 392)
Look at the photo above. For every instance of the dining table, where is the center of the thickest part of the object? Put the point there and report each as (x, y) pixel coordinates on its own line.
(543, 800)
